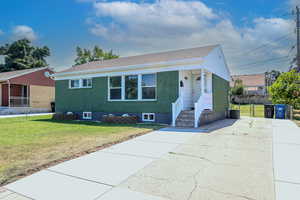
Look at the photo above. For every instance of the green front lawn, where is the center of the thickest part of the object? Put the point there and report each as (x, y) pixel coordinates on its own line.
(27, 143)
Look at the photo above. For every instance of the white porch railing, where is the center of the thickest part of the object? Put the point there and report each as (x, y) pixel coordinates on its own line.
(19, 101)
(204, 102)
(177, 107)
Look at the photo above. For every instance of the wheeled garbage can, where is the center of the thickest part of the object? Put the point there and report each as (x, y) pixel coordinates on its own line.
(269, 111)
(280, 111)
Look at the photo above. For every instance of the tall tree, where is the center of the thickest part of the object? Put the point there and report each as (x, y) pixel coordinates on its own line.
(286, 89)
(272, 76)
(22, 55)
(238, 88)
(97, 54)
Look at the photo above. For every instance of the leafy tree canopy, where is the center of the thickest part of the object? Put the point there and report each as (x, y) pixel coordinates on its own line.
(97, 54)
(272, 76)
(238, 88)
(22, 55)
(286, 89)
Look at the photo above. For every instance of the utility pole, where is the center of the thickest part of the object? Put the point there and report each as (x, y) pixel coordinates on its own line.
(298, 38)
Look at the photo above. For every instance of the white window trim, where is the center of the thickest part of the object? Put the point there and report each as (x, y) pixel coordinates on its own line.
(148, 120)
(81, 80)
(139, 88)
(70, 85)
(89, 115)
(109, 88)
(80, 83)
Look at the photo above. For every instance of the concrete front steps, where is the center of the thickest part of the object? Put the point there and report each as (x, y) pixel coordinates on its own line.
(186, 119)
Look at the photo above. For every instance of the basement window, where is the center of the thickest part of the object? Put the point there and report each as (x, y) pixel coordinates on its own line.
(87, 115)
(148, 117)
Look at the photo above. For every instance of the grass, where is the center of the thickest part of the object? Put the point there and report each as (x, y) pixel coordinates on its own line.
(245, 110)
(27, 143)
(259, 111)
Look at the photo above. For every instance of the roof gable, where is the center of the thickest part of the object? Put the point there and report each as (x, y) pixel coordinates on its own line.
(12, 74)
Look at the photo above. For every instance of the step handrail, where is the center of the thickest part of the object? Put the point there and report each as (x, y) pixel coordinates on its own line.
(177, 107)
(204, 102)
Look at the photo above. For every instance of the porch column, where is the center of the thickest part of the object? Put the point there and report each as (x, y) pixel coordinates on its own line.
(8, 93)
(202, 81)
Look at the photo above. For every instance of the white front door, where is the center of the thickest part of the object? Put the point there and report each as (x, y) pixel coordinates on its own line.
(196, 86)
(185, 84)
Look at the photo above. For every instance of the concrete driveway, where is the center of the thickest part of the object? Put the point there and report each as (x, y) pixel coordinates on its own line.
(225, 160)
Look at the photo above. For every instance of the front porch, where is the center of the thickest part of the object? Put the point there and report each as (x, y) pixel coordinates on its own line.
(195, 96)
(14, 95)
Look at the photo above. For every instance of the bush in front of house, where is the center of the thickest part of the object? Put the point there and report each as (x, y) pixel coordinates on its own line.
(65, 116)
(125, 119)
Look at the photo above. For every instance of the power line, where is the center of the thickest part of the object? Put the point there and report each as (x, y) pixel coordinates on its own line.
(265, 61)
(265, 45)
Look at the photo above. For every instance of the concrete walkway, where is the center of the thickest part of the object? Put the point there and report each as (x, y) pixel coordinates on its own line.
(226, 160)
(24, 115)
(286, 145)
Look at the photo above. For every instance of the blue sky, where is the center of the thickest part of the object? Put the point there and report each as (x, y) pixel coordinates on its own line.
(136, 27)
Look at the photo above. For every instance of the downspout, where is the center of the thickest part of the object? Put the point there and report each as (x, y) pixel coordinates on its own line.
(8, 92)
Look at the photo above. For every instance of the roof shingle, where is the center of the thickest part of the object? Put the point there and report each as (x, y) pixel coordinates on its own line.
(146, 59)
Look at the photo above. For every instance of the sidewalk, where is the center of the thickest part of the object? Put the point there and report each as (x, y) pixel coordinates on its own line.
(286, 152)
(24, 115)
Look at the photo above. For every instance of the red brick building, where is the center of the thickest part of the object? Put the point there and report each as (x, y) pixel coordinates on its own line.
(27, 88)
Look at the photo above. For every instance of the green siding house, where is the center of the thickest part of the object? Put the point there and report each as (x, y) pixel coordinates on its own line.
(185, 87)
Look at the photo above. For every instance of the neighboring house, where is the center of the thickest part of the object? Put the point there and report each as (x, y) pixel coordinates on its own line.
(172, 87)
(28, 88)
(254, 84)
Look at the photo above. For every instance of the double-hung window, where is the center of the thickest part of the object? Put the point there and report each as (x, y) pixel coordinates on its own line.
(149, 86)
(80, 83)
(86, 83)
(75, 83)
(136, 87)
(131, 87)
(115, 88)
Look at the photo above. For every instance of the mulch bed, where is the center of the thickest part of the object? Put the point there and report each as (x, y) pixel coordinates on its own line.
(55, 162)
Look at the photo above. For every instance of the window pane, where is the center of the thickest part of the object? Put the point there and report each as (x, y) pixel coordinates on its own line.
(115, 93)
(84, 82)
(148, 93)
(115, 81)
(75, 83)
(131, 87)
(148, 79)
(89, 83)
(151, 117)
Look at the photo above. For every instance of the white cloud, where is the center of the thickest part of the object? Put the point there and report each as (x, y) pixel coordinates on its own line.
(170, 24)
(294, 3)
(1, 32)
(23, 31)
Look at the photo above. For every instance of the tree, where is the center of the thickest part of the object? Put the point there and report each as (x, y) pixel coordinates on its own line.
(238, 88)
(97, 54)
(271, 77)
(22, 55)
(286, 89)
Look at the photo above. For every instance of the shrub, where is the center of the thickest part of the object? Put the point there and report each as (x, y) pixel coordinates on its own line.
(63, 116)
(286, 89)
(119, 119)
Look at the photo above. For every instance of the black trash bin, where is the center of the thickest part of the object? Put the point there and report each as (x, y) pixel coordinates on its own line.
(52, 107)
(269, 111)
(234, 114)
